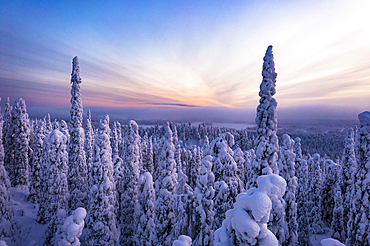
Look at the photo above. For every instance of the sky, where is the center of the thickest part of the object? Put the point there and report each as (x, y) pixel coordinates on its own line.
(187, 55)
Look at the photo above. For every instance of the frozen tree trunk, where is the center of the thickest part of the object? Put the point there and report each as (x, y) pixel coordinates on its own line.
(101, 218)
(36, 174)
(129, 189)
(165, 187)
(56, 197)
(144, 210)
(6, 209)
(266, 144)
(77, 172)
(287, 171)
(358, 224)
(203, 204)
(22, 149)
(246, 223)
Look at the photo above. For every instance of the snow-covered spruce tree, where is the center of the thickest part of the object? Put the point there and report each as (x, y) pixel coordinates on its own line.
(101, 218)
(358, 224)
(89, 142)
(240, 162)
(176, 143)
(49, 126)
(6, 209)
(249, 157)
(63, 128)
(114, 142)
(287, 171)
(203, 204)
(302, 212)
(144, 210)
(225, 165)
(181, 203)
(194, 165)
(337, 222)
(266, 144)
(348, 163)
(314, 193)
(144, 153)
(77, 172)
(8, 139)
(165, 187)
(150, 164)
(246, 223)
(22, 149)
(327, 191)
(220, 203)
(56, 197)
(129, 189)
(35, 167)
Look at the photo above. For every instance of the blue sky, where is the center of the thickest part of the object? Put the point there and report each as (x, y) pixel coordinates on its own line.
(186, 53)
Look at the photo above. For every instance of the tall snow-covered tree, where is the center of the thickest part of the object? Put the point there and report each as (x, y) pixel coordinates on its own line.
(327, 191)
(165, 187)
(220, 203)
(194, 165)
(225, 166)
(266, 144)
(77, 172)
(6, 209)
(89, 141)
(348, 163)
(56, 197)
(181, 203)
(144, 210)
(49, 126)
(101, 218)
(35, 167)
(287, 171)
(246, 223)
(240, 162)
(63, 128)
(314, 192)
(358, 224)
(8, 139)
(302, 212)
(22, 149)
(203, 204)
(337, 222)
(129, 189)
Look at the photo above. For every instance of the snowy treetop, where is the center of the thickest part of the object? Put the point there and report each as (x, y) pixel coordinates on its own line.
(364, 118)
(75, 76)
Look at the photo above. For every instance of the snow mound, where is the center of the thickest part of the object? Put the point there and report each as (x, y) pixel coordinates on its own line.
(182, 241)
(331, 242)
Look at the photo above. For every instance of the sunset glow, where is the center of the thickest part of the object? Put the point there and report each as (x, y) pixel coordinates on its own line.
(186, 53)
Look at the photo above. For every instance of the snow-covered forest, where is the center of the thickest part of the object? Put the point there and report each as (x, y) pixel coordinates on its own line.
(84, 182)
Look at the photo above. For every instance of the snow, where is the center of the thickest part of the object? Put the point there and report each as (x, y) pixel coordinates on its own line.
(246, 223)
(331, 242)
(182, 241)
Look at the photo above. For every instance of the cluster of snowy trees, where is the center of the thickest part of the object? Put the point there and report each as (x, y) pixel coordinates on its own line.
(150, 185)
